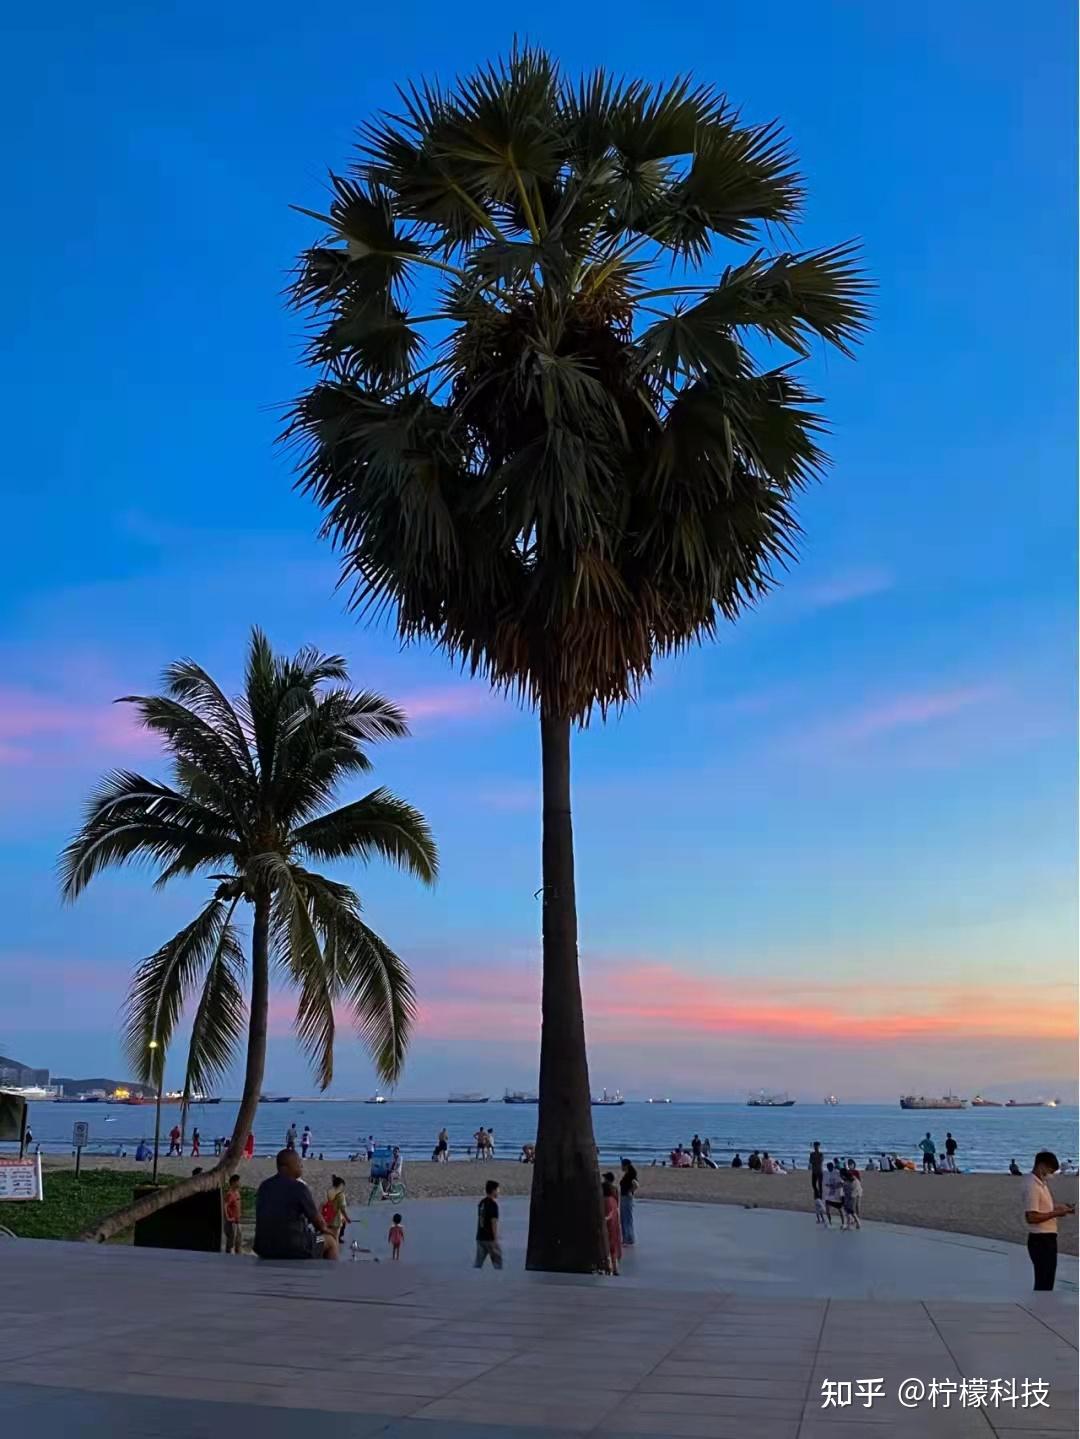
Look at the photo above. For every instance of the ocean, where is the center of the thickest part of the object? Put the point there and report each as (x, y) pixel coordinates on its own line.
(987, 1138)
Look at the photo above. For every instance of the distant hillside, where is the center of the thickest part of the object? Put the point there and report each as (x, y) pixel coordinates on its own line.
(80, 1086)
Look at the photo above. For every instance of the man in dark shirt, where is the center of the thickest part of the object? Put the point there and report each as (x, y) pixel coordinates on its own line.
(817, 1168)
(286, 1219)
(487, 1227)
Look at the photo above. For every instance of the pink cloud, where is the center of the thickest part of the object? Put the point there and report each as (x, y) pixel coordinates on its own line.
(37, 728)
(656, 1005)
(450, 702)
(842, 589)
(909, 710)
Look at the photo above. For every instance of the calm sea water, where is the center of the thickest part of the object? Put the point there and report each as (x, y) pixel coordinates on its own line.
(988, 1138)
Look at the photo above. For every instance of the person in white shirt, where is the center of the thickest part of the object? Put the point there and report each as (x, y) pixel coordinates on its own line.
(834, 1194)
(1041, 1215)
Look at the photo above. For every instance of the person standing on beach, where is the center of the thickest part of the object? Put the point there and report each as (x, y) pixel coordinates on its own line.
(950, 1153)
(851, 1185)
(305, 1141)
(834, 1194)
(233, 1211)
(628, 1183)
(695, 1150)
(291, 1136)
(487, 1227)
(1041, 1215)
(442, 1146)
(929, 1154)
(196, 1140)
(249, 1147)
(174, 1142)
(612, 1223)
(817, 1168)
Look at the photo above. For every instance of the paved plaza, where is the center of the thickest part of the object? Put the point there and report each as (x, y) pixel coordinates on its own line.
(111, 1342)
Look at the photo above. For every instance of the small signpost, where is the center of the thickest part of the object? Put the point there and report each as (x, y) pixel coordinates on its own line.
(21, 1178)
(80, 1135)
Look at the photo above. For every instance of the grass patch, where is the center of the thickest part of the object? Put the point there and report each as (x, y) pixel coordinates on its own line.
(71, 1206)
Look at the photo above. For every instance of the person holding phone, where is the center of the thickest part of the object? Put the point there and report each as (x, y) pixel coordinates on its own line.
(1041, 1216)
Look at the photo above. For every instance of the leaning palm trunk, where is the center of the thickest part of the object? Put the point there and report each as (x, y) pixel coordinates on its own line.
(216, 1177)
(566, 1222)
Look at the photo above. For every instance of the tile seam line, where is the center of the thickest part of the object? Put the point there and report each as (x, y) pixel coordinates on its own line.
(813, 1367)
(622, 1399)
(1049, 1327)
(982, 1410)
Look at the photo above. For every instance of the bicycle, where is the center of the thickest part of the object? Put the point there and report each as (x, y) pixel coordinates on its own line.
(394, 1192)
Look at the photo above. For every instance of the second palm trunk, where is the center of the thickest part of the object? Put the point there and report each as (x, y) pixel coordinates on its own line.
(566, 1221)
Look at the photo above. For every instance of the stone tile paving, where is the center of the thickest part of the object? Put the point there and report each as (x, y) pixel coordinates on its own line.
(113, 1342)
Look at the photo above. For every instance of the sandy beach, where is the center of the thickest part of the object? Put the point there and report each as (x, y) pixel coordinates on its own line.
(982, 1204)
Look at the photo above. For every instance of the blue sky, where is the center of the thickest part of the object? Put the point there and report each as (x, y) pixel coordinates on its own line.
(863, 798)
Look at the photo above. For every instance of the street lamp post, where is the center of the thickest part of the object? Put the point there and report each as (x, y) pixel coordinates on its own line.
(157, 1117)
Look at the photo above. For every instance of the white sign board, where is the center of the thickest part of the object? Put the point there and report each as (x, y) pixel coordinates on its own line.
(80, 1134)
(21, 1178)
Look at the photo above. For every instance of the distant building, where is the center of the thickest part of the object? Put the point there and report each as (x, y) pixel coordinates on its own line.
(22, 1076)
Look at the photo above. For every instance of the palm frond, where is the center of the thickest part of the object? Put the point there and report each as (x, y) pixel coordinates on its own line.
(380, 823)
(131, 819)
(309, 969)
(370, 977)
(163, 982)
(218, 1024)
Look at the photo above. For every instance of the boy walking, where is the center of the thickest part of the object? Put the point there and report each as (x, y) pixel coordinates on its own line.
(487, 1227)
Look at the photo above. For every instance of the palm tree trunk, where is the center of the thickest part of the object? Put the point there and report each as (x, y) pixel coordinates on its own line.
(258, 1016)
(566, 1220)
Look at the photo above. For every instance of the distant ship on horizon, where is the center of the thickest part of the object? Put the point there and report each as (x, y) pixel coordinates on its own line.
(947, 1101)
(980, 1103)
(615, 1097)
(520, 1096)
(1032, 1103)
(761, 1100)
(468, 1098)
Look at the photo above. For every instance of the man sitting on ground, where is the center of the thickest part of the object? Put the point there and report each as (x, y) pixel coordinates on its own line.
(286, 1217)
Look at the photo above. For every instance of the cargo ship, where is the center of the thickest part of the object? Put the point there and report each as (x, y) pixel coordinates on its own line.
(947, 1101)
(615, 1097)
(468, 1099)
(761, 1100)
(1032, 1103)
(980, 1103)
(519, 1096)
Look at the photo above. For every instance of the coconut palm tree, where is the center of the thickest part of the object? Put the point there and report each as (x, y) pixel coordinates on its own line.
(544, 434)
(249, 809)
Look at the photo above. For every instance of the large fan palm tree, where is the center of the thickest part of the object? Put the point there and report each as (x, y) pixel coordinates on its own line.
(574, 460)
(248, 809)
